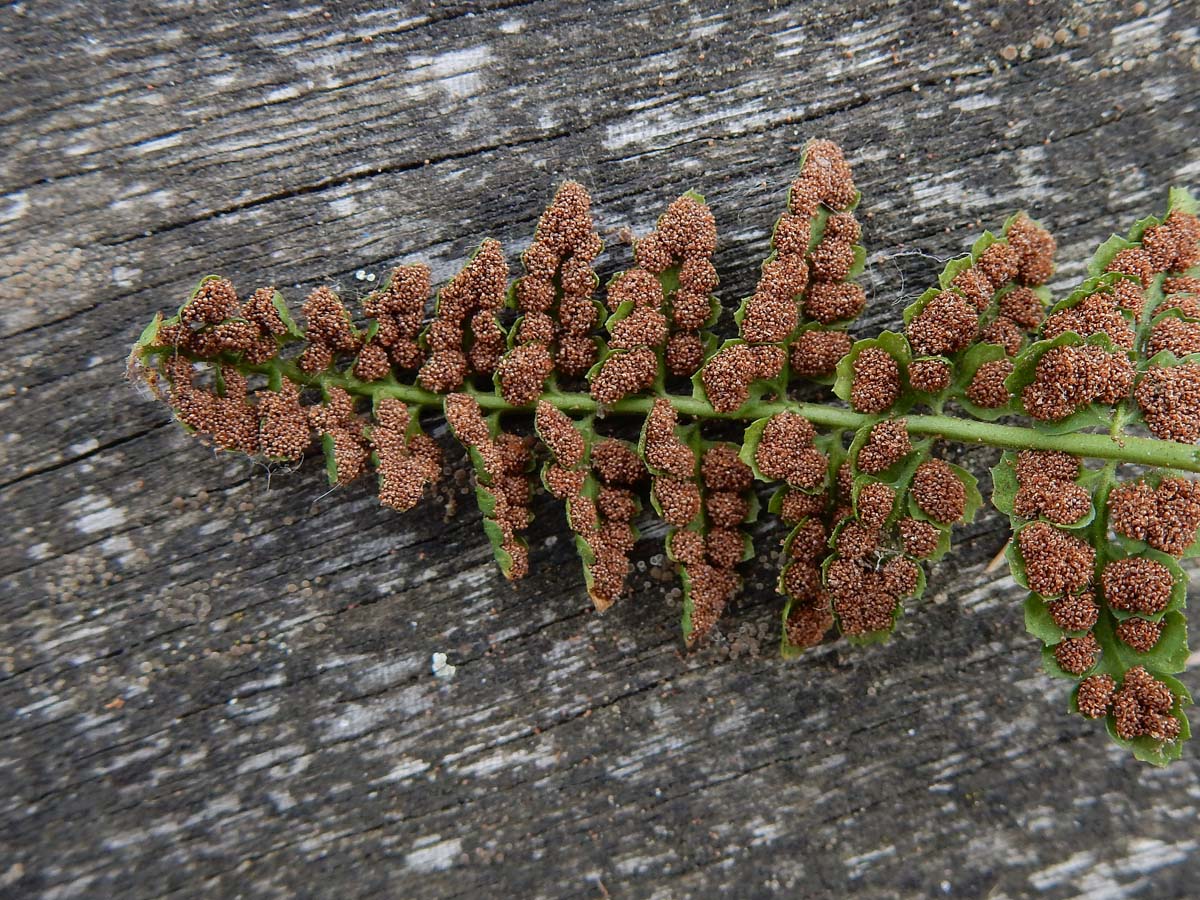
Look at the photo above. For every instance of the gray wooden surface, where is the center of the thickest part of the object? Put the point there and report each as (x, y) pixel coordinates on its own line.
(215, 682)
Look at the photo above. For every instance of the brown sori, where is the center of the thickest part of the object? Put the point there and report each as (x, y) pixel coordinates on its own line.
(468, 304)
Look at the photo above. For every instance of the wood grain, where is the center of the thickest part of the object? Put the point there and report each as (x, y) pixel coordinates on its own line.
(217, 682)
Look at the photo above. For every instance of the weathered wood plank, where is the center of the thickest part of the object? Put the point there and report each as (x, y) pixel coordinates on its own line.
(220, 684)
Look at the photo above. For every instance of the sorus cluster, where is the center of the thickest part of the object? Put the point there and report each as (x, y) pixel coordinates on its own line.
(805, 282)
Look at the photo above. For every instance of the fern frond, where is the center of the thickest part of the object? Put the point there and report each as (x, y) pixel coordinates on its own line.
(1095, 401)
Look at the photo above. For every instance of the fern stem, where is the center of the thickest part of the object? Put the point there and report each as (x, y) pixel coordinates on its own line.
(1116, 446)
(1120, 448)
